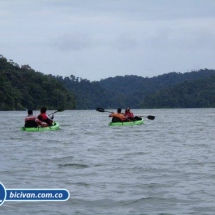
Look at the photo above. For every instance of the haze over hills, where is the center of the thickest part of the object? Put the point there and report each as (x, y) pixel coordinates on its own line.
(22, 87)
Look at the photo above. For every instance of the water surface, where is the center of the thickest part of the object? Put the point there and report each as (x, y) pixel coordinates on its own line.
(165, 166)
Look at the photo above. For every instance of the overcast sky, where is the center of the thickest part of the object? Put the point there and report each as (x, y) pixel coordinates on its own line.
(97, 39)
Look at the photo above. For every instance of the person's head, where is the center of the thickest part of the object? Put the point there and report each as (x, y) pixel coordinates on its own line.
(128, 109)
(30, 112)
(43, 110)
(119, 110)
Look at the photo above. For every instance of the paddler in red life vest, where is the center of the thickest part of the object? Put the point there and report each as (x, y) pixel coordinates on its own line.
(118, 117)
(44, 118)
(30, 120)
(128, 113)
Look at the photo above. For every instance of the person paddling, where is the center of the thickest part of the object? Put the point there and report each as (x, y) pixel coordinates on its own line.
(30, 120)
(118, 117)
(128, 114)
(44, 118)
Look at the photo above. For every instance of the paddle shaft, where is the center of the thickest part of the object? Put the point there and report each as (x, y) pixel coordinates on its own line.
(59, 110)
(107, 111)
(53, 113)
(103, 110)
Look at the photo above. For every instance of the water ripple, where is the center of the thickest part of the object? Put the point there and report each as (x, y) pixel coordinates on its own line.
(165, 166)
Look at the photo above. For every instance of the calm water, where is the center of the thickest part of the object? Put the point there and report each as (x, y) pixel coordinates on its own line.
(166, 166)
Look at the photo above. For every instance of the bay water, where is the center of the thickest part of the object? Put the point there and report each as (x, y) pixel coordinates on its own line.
(166, 166)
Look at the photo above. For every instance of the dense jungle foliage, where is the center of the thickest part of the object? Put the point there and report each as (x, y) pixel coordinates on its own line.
(22, 87)
(138, 92)
(197, 94)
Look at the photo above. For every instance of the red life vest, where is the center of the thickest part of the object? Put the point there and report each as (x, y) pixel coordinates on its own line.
(30, 118)
(129, 114)
(43, 116)
(30, 121)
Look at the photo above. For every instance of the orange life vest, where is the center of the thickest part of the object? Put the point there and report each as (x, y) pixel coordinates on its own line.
(118, 115)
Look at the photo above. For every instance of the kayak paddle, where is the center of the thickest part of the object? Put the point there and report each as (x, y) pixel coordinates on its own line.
(99, 109)
(149, 117)
(102, 110)
(59, 110)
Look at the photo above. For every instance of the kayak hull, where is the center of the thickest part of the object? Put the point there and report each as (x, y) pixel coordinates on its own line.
(130, 123)
(54, 127)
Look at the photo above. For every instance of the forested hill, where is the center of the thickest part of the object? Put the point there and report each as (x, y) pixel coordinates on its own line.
(131, 83)
(196, 94)
(139, 92)
(22, 87)
(88, 94)
(137, 88)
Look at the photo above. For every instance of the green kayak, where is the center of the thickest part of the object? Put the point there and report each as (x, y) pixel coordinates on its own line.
(136, 122)
(54, 127)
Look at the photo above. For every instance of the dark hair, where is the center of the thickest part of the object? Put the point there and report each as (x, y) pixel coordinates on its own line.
(119, 110)
(30, 112)
(43, 110)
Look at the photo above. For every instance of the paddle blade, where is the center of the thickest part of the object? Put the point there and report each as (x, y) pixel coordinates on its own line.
(151, 117)
(100, 109)
(60, 110)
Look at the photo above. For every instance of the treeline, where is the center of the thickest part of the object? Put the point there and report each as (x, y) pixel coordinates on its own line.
(164, 91)
(90, 95)
(23, 88)
(196, 94)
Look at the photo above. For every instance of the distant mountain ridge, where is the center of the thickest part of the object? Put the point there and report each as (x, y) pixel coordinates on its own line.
(130, 90)
(136, 83)
(137, 88)
(21, 87)
(188, 94)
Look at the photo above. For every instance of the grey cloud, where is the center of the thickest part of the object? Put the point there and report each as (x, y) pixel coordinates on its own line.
(111, 37)
(72, 42)
(124, 42)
